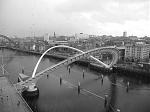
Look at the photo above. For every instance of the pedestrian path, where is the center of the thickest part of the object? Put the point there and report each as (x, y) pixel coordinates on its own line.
(10, 99)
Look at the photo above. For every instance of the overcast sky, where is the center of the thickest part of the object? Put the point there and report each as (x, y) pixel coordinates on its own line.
(110, 17)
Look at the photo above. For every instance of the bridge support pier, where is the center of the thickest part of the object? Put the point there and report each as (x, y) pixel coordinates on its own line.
(79, 88)
(31, 91)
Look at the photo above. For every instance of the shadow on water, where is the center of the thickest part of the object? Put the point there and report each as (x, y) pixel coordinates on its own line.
(134, 81)
(32, 102)
(111, 107)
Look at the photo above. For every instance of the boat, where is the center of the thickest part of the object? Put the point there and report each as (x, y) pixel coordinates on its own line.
(29, 91)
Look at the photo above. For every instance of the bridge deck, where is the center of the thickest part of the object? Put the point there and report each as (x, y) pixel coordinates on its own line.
(10, 99)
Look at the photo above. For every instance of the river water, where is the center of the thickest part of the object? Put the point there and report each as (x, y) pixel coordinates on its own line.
(54, 97)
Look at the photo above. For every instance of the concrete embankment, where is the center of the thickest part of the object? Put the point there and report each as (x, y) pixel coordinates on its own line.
(61, 57)
(130, 71)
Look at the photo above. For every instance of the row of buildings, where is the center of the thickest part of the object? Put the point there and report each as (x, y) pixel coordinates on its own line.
(138, 51)
(131, 48)
(135, 52)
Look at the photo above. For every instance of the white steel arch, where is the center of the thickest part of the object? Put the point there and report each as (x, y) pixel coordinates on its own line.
(63, 46)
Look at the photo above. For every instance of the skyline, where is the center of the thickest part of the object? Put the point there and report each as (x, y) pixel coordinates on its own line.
(67, 17)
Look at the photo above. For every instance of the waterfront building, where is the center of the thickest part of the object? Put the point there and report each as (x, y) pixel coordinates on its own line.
(33, 46)
(81, 36)
(133, 37)
(61, 43)
(138, 51)
(40, 47)
(125, 34)
(46, 37)
(72, 39)
(39, 38)
(62, 38)
(28, 46)
(121, 53)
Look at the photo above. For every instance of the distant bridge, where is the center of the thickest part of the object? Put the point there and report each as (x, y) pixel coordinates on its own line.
(7, 38)
(35, 77)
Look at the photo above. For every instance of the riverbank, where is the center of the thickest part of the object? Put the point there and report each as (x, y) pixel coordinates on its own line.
(126, 70)
(83, 62)
(131, 71)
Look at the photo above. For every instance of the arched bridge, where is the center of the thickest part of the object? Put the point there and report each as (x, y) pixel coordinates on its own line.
(7, 38)
(35, 77)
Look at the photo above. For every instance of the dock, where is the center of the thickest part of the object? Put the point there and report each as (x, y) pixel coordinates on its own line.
(10, 99)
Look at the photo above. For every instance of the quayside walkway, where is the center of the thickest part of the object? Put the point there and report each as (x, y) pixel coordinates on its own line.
(10, 99)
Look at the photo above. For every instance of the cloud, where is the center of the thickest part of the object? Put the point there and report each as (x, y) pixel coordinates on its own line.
(138, 28)
(107, 10)
(133, 1)
(24, 17)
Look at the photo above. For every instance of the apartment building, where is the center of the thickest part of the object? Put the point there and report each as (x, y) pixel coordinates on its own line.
(137, 51)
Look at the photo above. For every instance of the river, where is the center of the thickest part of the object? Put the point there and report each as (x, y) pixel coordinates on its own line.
(54, 97)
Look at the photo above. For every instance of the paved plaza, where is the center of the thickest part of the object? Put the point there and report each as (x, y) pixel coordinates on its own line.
(10, 99)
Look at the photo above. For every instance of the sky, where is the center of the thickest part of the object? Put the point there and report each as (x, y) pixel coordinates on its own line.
(66, 17)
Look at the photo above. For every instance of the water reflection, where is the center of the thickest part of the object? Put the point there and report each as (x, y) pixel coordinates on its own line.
(113, 93)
